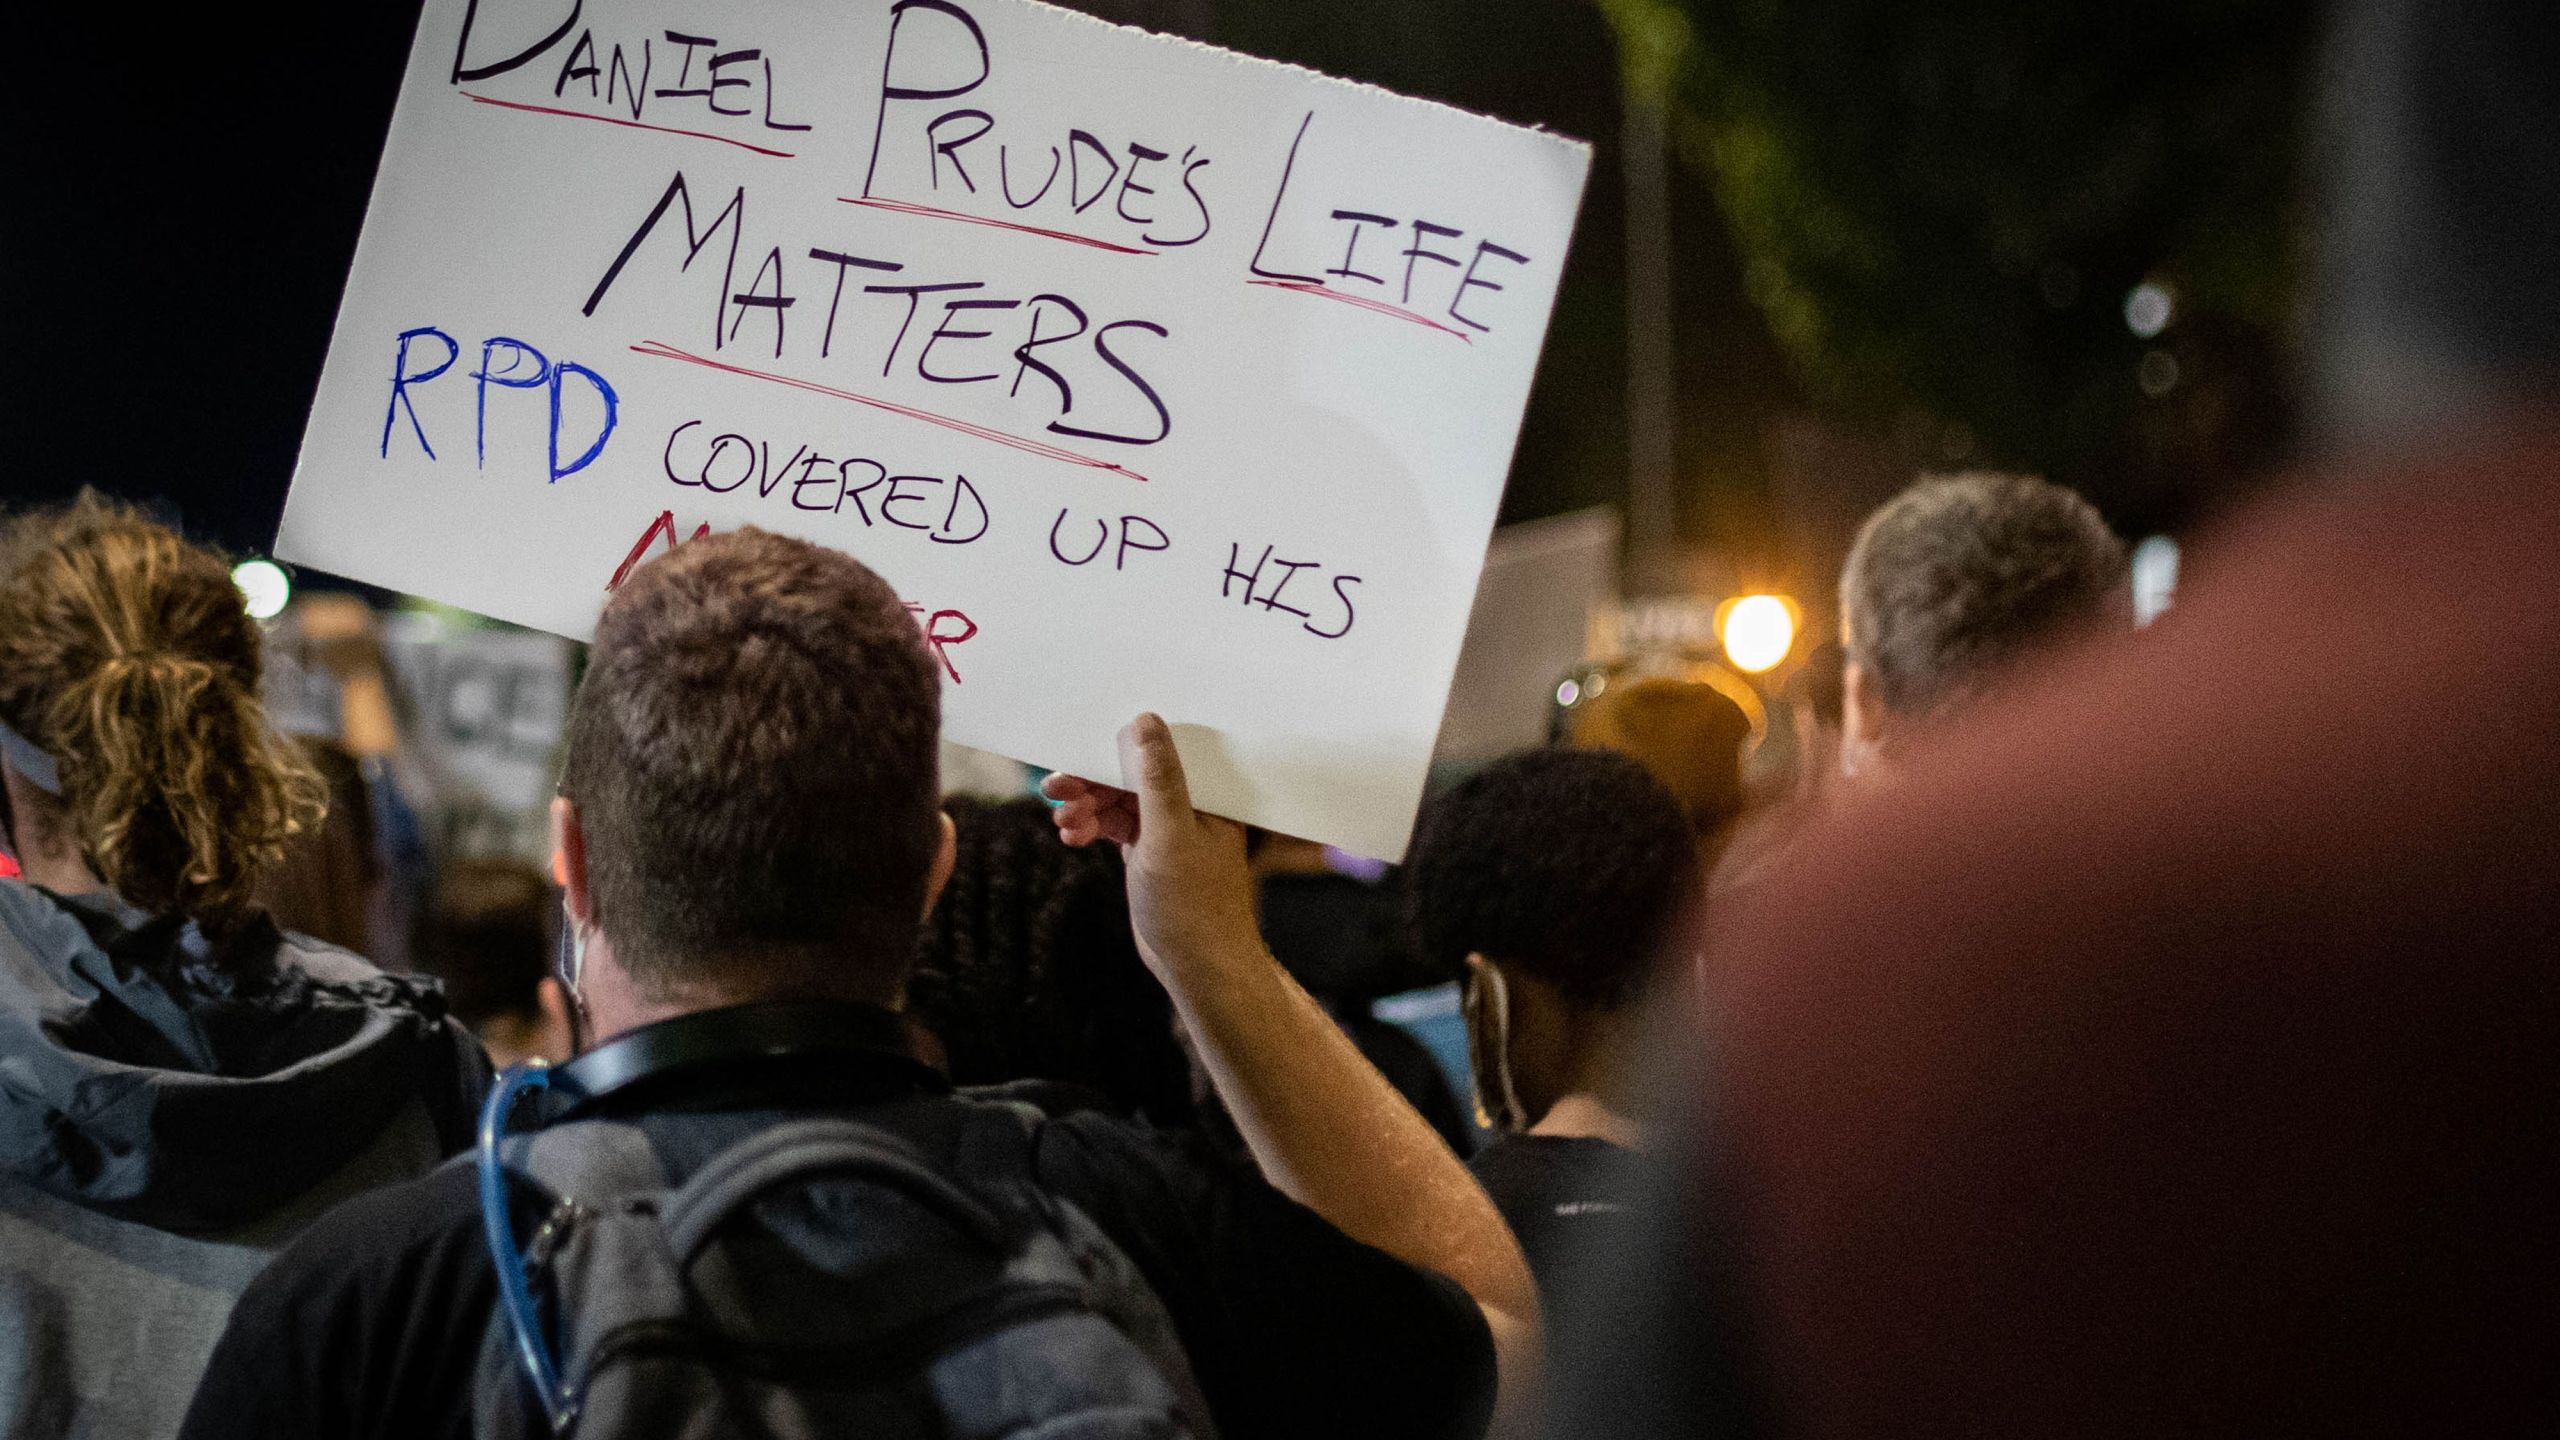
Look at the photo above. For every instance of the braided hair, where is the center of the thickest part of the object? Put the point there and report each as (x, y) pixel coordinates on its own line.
(1029, 970)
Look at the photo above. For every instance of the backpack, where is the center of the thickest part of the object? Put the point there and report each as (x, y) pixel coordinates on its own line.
(820, 1277)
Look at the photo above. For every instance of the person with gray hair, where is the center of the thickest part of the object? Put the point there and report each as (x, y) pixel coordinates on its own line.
(1952, 582)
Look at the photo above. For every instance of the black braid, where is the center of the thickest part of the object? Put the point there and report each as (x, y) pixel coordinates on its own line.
(1029, 970)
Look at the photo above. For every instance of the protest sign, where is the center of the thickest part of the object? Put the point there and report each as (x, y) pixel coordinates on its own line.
(1152, 376)
(487, 708)
(1531, 624)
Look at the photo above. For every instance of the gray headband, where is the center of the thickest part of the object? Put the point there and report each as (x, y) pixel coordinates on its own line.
(27, 760)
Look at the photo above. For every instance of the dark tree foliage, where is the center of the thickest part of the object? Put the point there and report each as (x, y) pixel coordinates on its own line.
(1942, 207)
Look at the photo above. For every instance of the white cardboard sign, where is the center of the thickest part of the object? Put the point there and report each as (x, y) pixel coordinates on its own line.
(1154, 377)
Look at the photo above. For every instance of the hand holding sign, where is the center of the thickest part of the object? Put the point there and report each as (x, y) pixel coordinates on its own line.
(1191, 898)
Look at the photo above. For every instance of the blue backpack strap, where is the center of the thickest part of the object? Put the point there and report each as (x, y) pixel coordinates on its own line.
(590, 1165)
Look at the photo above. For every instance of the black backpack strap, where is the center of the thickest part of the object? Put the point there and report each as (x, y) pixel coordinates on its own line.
(999, 1149)
(807, 1149)
(999, 1144)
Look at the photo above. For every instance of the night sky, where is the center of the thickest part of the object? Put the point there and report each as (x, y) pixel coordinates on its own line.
(190, 185)
(184, 206)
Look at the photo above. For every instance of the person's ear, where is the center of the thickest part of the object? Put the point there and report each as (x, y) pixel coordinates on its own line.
(1862, 717)
(569, 860)
(946, 854)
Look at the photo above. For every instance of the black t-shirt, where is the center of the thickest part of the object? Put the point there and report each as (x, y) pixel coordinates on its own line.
(371, 1324)
(1561, 1193)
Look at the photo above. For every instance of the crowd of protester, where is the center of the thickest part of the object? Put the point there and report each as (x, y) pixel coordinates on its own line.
(2103, 1028)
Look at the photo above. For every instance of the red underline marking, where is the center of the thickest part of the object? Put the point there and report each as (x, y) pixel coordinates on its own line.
(663, 351)
(904, 207)
(628, 124)
(1381, 306)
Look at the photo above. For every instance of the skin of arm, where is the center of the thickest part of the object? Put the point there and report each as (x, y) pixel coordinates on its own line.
(1325, 1126)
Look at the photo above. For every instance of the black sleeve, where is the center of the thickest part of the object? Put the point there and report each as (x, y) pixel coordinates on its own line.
(1294, 1328)
(369, 1324)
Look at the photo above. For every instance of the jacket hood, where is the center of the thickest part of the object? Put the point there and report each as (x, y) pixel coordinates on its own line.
(155, 1075)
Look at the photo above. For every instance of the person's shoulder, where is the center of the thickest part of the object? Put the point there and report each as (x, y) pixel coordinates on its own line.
(365, 1324)
(361, 1259)
(342, 972)
(1528, 1151)
(383, 1228)
(314, 974)
(39, 924)
(1089, 1146)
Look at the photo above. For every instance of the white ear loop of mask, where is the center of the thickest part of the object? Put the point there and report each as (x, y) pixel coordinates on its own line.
(1497, 1003)
(572, 968)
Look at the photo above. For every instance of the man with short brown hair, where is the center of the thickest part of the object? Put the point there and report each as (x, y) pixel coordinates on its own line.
(748, 842)
(751, 781)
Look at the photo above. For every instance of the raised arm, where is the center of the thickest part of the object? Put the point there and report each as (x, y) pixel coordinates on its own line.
(1326, 1127)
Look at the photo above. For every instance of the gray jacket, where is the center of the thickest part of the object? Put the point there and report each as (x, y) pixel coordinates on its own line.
(171, 1113)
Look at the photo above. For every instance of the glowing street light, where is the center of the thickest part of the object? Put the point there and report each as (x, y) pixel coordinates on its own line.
(263, 587)
(1757, 630)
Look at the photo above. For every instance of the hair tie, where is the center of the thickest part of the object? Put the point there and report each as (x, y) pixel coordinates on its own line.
(24, 757)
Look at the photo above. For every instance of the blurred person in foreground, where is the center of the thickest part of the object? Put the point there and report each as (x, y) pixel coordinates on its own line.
(1029, 973)
(491, 936)
(749, 839)
(185, 1085)
(1950, 586)
(2177, 1049)
(1554, 879)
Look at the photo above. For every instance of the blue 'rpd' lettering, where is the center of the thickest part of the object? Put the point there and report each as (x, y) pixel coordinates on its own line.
(402, 377)
(508, 364)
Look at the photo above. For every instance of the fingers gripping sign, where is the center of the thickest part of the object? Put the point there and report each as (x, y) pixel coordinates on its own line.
(1190, 892)
(1086, 812)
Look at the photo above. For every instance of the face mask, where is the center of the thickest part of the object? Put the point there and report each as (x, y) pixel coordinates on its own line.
(1486, 1004)
(571, 965)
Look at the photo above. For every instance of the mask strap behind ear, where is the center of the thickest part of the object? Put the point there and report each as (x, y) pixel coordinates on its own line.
(1509, 1114)
(39, 768)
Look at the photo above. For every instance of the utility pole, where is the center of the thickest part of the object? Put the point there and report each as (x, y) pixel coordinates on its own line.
(1653, 39)
(1653, 515)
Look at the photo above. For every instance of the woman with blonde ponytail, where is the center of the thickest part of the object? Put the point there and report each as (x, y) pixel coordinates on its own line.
(182, 1085)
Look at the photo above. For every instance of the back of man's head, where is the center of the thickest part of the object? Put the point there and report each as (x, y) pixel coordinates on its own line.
(752, 757)
(1960, 575)
(1573, 865)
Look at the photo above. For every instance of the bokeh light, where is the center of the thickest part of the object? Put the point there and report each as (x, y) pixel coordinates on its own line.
(2147, 309)
(2155, 578)
(263, 587)
(2158, 373)
(1757, 630)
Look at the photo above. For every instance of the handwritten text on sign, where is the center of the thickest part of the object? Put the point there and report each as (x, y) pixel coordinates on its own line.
(1153, 376)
